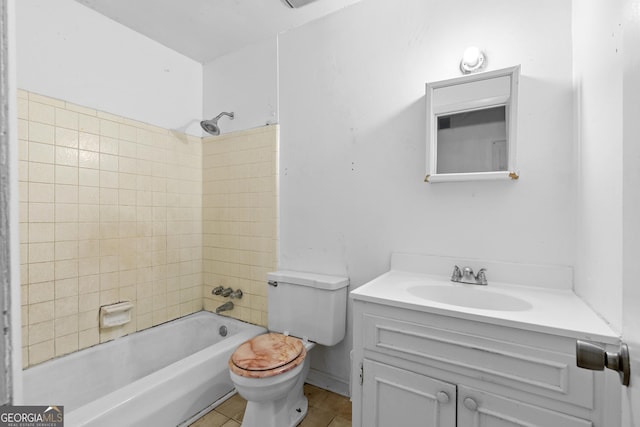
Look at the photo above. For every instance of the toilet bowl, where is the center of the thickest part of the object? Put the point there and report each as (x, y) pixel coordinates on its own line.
(270, 376)
(269, 370)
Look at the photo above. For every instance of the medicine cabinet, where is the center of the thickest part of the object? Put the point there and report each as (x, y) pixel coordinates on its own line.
(471, 127)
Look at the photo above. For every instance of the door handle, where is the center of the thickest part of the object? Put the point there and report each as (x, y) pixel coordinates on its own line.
(592, 356)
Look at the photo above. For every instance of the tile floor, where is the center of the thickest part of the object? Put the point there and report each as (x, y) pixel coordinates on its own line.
(326, 409)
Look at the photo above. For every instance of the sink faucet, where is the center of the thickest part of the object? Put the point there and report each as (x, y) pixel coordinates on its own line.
(467, 276)
(225, 307)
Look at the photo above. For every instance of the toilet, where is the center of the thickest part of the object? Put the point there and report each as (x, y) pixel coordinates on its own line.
(269, 371)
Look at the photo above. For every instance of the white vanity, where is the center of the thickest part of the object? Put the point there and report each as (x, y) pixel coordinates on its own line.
(428, 352)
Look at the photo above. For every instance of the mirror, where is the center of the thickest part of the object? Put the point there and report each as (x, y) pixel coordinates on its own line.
(471, 127)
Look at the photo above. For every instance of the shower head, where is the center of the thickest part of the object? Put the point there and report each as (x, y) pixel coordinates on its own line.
(211, 126)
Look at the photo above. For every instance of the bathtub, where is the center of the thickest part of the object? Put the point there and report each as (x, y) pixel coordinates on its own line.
(161, 376)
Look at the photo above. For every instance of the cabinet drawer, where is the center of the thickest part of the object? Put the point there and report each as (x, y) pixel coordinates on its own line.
(523, 365)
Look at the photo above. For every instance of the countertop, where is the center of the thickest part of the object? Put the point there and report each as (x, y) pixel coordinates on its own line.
(553, 311)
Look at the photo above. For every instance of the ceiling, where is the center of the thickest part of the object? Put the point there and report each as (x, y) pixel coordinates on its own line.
(206, 29)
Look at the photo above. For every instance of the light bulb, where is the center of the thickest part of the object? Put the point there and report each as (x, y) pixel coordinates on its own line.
(472, 60)
(471, 56)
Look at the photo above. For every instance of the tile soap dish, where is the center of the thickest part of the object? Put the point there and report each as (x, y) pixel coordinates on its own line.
(115, 314)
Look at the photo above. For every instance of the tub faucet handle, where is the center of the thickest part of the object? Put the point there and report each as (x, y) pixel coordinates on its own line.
(226, 292)
(217, 290)
(236, 294)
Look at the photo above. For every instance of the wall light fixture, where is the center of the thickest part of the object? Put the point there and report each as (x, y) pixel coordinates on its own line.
(473, 60)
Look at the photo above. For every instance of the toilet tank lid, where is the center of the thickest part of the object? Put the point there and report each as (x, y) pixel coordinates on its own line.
(320, 281)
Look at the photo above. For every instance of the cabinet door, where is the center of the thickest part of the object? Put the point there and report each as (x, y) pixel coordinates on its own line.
(481, 409)
(396, 397)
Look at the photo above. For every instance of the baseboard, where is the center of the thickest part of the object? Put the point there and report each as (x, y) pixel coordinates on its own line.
(328, 382)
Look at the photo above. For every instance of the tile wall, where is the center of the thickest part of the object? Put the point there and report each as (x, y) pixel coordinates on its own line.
(111, 210)
(240, 218)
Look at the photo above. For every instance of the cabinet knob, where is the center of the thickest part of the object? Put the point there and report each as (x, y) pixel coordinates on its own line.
(442, 397)
(470, 404)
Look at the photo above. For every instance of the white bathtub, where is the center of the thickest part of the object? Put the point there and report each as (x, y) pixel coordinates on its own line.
(157, 377)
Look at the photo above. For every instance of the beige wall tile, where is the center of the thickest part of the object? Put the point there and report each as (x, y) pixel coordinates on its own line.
(66, 175)
(39, 172)
(41, 312)
(88, 124)
(89, 177)
(40, 332)
(65, 231)
(41, 192)
(108, 127)
(89, 302)
(88, 141)
(23, 108)
(41, 252)
(66, 288)
(66, 137)
(66, 119)
(238, 242)
(88, 320)
(66, 344)
(41, 272)
(88, 159)
(41, 113)
(110, 210)
(40, 213)
(66, 306)
(40, 132)
(80, 109)
(45, 100)
(88, 338)
(66, 156)
(66, 325)
(41, 352)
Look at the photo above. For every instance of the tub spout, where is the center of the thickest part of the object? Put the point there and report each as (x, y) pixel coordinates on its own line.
(225, 307)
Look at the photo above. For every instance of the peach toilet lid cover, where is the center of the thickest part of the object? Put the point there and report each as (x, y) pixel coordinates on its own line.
(267, 355)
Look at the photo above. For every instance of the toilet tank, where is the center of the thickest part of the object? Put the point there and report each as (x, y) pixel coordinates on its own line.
(308, 305)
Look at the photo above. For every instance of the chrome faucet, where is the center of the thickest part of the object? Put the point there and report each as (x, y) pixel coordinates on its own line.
(225, 307)
(467, 276)
(217, 290)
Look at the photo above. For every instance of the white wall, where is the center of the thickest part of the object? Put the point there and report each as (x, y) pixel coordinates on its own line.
(68, 51)
(244, 82)
(353, 140)
(597, 62)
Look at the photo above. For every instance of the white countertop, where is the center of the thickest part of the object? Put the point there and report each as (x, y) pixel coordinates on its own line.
(552, 311)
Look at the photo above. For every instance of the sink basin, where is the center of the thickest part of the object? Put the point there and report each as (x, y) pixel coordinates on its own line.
(469, 296)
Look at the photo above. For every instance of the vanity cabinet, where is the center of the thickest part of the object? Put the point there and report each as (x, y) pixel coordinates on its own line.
(413, 368)
(396, 397)
(393, 396)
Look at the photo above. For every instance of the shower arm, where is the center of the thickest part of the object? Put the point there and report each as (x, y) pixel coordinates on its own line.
(222, 114)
